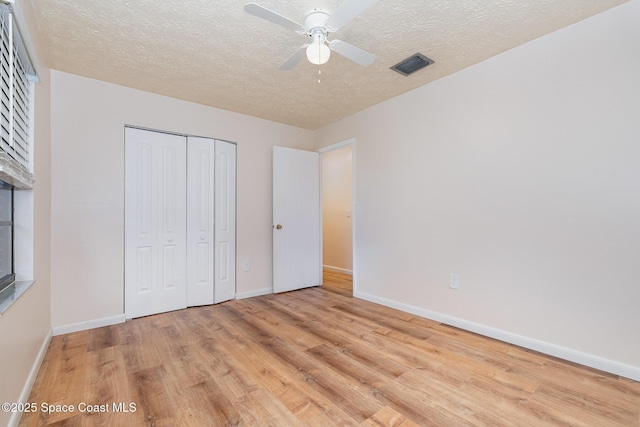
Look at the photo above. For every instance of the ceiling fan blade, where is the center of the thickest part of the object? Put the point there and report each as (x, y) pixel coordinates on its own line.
(353, 53)
(294, 59)
(348, 10)
(271, 16)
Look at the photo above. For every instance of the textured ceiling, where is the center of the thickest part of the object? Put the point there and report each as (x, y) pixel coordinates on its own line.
(211, 52)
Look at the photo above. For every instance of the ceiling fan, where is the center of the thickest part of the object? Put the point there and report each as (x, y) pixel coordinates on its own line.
(318, 24)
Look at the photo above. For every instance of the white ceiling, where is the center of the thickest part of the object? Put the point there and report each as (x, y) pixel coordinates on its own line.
(211, 52)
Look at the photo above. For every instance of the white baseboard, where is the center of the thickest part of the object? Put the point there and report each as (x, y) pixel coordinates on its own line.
(597, 362)
(256, 293)
(89, 324)
(337, 269)
(31, 379)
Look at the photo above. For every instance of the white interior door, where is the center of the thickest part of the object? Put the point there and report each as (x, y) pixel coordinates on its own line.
(296, 219)
(155, 222)
(200, 220)
(225, 221)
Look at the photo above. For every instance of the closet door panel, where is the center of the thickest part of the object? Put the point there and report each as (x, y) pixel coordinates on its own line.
(200, 220)
(225, 221)
(155, 218)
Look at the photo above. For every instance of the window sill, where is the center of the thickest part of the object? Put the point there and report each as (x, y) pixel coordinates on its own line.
(11, 294)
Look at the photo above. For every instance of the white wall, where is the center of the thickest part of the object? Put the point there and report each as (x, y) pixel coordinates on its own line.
(521, 174)
(337, 199)
(88, 119)
(25, 326)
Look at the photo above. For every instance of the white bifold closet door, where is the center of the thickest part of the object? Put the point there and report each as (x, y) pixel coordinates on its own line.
(225, 226)
(211, 246)
(200, 210)
(179, 222)
(155, 222)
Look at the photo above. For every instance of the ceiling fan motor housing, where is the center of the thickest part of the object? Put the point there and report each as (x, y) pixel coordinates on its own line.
(315, 22)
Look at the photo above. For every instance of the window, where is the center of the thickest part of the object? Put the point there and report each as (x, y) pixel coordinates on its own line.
(17, 75)
(7, 272)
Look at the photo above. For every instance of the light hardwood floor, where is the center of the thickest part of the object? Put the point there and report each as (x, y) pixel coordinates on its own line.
(316, 357)
(337, 282)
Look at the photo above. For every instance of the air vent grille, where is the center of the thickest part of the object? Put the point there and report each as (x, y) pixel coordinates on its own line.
(412, 64)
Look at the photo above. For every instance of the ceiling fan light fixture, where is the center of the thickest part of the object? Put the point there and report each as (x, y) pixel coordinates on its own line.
(319, 24)
(318, 52)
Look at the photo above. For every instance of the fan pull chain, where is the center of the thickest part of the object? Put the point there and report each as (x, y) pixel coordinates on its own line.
(319, 73)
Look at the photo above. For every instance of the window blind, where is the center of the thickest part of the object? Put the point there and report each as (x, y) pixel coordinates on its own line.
(16, 71)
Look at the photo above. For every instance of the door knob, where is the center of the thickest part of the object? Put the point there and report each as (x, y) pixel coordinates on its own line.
(278, 227)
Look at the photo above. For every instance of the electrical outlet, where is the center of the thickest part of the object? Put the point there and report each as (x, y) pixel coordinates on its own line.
(246, 266)
(454, 281)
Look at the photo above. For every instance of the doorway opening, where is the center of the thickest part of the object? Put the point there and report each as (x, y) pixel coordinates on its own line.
(338, 225)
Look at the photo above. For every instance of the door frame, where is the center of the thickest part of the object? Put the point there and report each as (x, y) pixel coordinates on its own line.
(355, 210)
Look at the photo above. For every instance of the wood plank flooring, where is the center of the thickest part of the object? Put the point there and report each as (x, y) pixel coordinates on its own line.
(337, 282)
(315, 357)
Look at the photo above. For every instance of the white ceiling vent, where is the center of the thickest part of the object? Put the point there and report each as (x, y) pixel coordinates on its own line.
(412, 64)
